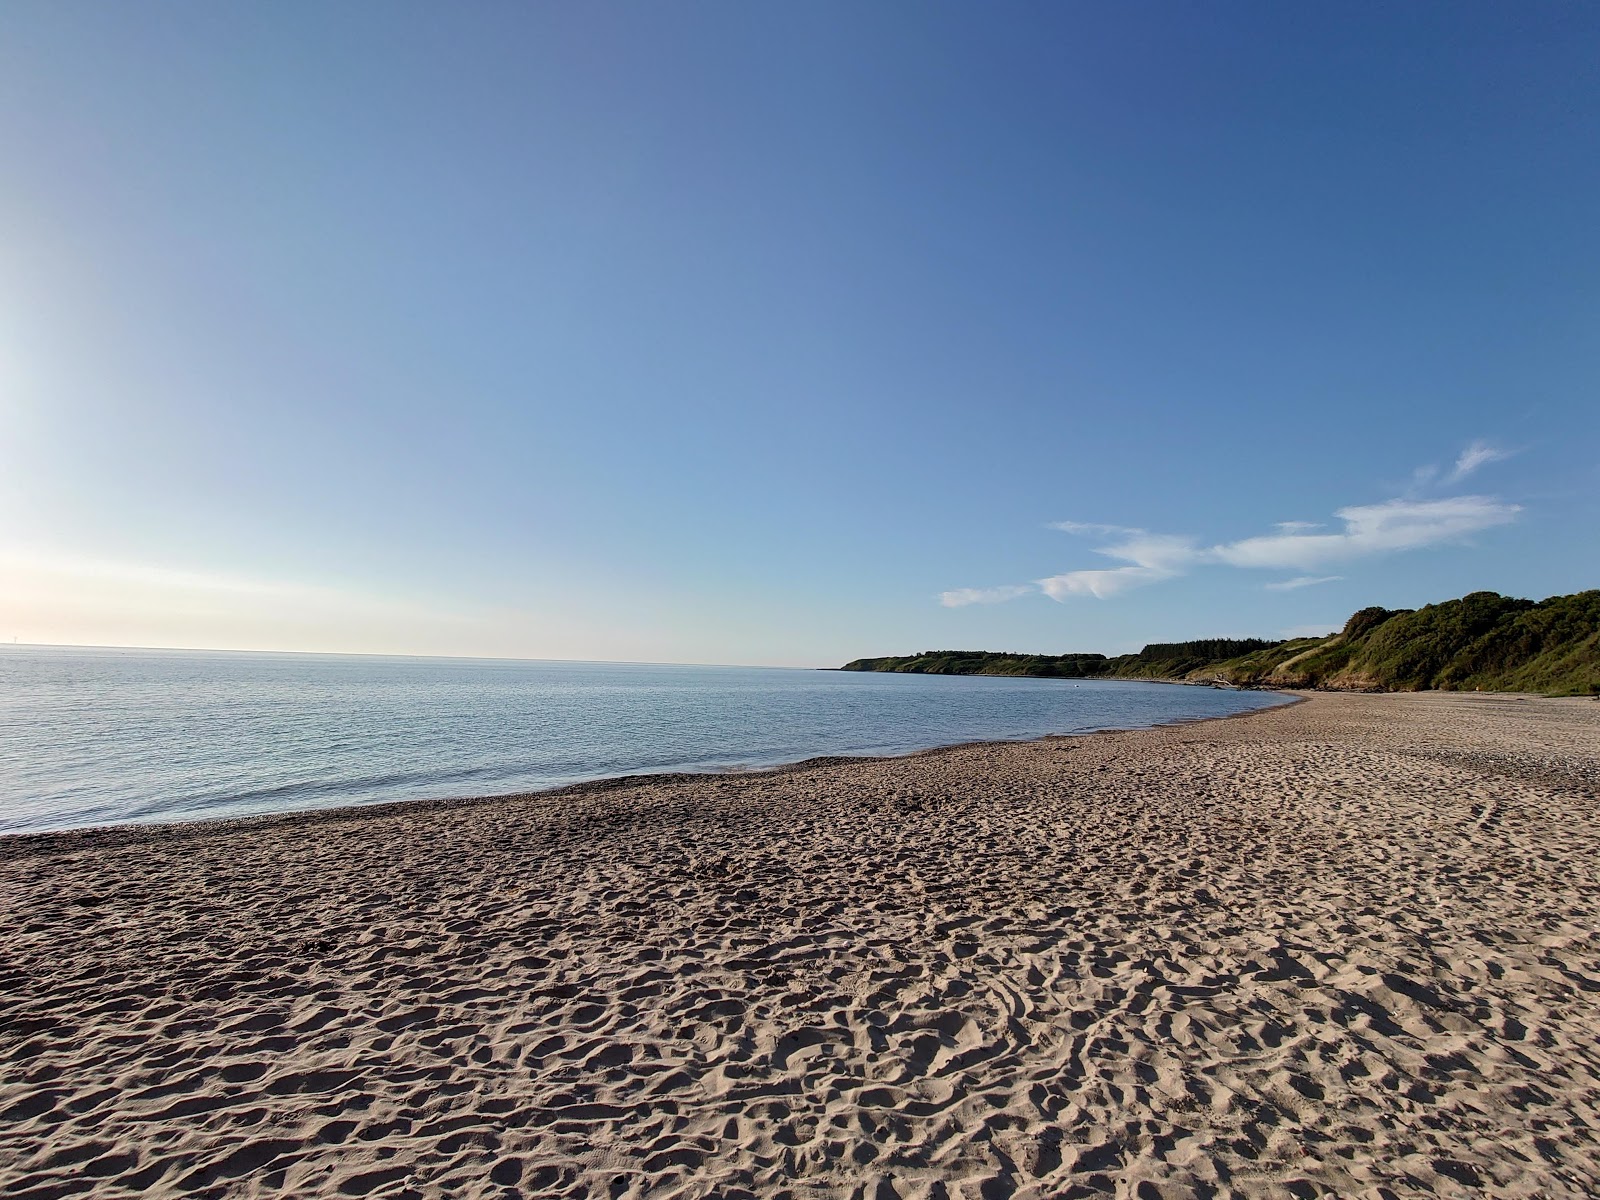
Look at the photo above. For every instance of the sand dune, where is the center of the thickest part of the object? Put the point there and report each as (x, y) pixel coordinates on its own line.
(1345, 948)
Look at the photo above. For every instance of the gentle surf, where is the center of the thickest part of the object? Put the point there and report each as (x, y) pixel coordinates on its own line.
(99, 736)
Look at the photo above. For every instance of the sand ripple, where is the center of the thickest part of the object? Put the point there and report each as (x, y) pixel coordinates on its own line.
(1347, 948)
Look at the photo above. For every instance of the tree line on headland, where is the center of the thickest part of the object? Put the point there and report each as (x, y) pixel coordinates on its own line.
(1483, 641)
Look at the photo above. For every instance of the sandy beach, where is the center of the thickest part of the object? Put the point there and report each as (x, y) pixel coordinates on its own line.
(1345, 948)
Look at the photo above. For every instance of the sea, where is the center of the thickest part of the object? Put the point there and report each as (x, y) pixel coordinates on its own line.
(99, 736)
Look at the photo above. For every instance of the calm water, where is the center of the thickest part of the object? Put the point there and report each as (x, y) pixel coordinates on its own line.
(102, 736)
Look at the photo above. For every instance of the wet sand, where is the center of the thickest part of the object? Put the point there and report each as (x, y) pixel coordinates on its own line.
(1343, 948)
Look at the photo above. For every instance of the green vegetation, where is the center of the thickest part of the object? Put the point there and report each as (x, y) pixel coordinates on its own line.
(1484, 641)
(1178, 660)
(983, 662)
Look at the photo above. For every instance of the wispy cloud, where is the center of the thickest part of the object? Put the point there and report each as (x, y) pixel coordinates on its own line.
(961, 597)
(1301, 581)
(1100, 584)
(1155, 556)
(1093, 528)
(1479, 454)
(1429, 477)
(1361, 531)
(1371, 529)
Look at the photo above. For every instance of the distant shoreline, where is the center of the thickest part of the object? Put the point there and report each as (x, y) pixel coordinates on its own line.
(1483, 642)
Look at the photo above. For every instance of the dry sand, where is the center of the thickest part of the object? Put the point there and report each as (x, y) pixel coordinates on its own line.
(1345, 948)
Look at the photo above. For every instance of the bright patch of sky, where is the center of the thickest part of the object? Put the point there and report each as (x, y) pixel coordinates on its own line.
(789, 333)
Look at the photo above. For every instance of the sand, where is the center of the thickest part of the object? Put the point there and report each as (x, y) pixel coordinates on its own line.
(1343, 948)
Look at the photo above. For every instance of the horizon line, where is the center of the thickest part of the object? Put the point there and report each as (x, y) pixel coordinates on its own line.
(612, 662)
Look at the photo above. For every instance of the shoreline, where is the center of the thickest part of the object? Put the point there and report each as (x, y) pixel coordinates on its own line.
(1349, 947)
(102, 834)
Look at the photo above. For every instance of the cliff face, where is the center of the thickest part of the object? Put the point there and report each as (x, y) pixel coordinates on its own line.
(1483, 641)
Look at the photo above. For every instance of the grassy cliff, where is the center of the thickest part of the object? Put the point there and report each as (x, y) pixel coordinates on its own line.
(1483, 641)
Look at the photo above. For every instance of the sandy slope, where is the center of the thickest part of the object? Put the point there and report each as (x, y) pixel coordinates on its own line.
(1344, 948)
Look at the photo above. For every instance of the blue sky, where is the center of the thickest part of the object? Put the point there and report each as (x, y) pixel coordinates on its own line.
(789, 333)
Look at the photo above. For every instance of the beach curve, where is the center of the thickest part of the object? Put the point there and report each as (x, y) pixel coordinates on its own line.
(1345, 947)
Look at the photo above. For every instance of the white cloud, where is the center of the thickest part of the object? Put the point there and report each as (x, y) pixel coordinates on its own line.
(1093, 527)
(1479, 454)
(1154, 551)
(1101, 584)
(960, 597)
(1301, 581)
(1371, 529)
(1155, 556)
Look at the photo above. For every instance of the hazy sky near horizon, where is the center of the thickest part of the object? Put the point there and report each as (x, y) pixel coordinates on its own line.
(770, 333)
